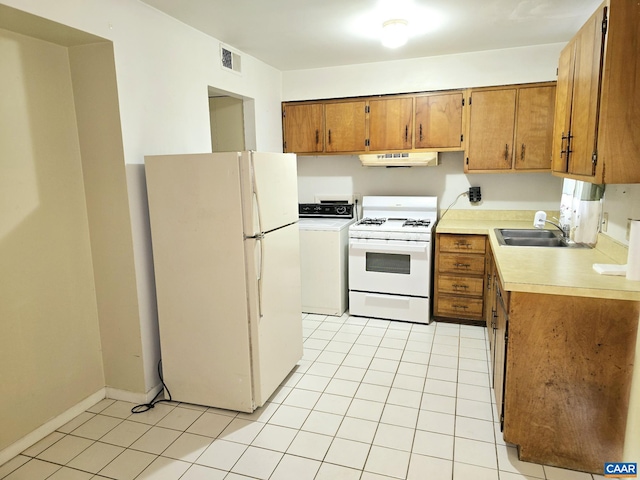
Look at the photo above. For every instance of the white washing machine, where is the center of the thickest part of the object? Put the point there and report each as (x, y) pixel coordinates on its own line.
(324, 244)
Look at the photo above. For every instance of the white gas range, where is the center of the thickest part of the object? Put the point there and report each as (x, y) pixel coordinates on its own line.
(390, 258)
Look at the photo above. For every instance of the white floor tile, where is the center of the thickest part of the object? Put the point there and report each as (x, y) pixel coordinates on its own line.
(405, 398)
(302, 398)
(371, 340)
(474, 392)
(179, 418)
(153, 416)
(438, 468)
(76, 422)
(508, 462)
(125, 433)
(354, 374)
(128, 465)
(200, 472)
(438, 403)
(365, 409)
(436, 422)
(347, 453)
(280, 394)
(357, 429)
(275, 437)
(187, 447)
(96, 457)
(462, 471)
(101, 405)
(376, 393)
(389, 353)
(475, 429)
(97, 427)
(65, 449)
(321, 422)
(443, 360)
(331, 357)
(416, 357)
(310, 445)
(12, 465)
(312, 382)
(262, 414)
(554, 473)
(322, 370)
(392, 436)
(165, 469)
(473, 378)
(433, 444)
(408, 382)
(257, 462)
(386, 461)
(156, 440)
(476, 453)
(329, 471)
(400, 416)
(331, 403)
(442, 373)
(287, 416)
(480, 366)
(384, 365)
(42, 445)
(413, 369)
(440, 349)
(34, 469)
(241, 431)
(397, 343)
(295, 468)
(209, 424)
(440, 387)
(221, 454)
(473, 409)
(66, 473)
(519, 476)
(119, 409)
(346, 388)
(375, 377)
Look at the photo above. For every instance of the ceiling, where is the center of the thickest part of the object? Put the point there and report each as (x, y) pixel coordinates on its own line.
(303, 34)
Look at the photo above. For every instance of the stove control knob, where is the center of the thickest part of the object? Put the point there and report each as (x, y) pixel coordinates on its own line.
(341, 210)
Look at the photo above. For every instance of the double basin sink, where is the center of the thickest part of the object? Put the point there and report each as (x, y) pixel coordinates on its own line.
(532, 237)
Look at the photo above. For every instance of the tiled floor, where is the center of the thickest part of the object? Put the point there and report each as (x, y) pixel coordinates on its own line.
(371, 400)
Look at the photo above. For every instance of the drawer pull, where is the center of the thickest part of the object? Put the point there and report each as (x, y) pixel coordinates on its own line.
(464, 307)
(462, 265)
(456, 286)
(462, 244)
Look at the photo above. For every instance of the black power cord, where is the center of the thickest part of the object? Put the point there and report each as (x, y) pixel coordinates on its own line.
(145, 407)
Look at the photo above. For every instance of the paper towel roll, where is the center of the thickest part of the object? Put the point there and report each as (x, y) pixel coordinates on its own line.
(633, 260)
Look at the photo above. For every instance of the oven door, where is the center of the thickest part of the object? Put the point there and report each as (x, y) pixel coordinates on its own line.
(390, 266)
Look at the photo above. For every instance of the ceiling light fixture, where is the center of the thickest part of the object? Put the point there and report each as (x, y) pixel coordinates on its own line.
(395, 33)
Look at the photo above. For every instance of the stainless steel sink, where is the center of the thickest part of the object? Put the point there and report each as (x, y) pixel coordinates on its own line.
(529, 237)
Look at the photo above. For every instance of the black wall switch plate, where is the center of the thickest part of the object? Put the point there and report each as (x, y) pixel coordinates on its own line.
(474, 194)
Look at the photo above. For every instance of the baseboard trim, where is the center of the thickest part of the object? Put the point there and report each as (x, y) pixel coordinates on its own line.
(51, 426)
(132, 397)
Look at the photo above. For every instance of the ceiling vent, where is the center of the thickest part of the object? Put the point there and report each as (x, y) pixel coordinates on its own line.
(230, 60)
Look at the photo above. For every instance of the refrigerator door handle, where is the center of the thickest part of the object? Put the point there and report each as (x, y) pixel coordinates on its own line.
(256, 200)
(259, 237)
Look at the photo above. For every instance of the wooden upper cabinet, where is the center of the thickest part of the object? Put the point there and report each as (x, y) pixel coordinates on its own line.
(511, 128)
(598, 114)
(534, 128)
(491, 129)
(390, 124)
(345, 126)
(439, 121)
(303, 128)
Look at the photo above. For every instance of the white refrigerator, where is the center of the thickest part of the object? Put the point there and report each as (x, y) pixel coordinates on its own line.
(226, 256)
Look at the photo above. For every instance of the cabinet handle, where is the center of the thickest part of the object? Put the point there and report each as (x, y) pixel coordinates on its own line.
(421, 132)
(406, 133)
(506, 152)
(465, 265)
(462, 244)
(464, 307)
(329, 135)
(456, 286)
(317, 137)
(522, 152)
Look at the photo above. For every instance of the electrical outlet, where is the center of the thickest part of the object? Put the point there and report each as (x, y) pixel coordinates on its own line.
(605, 222)
(475, 194)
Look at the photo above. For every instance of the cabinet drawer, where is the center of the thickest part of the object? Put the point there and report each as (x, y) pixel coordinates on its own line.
(459, 307)
(461, 285)
(466, 264)
(462, 243)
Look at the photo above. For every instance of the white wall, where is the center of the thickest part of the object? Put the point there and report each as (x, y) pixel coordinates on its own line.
(522, 191)
(621, 202)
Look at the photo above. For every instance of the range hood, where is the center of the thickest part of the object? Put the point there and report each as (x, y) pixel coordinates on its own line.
(404, 159)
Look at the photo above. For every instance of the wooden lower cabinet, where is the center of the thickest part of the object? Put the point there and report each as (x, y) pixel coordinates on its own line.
(459, 277)
(567, 364)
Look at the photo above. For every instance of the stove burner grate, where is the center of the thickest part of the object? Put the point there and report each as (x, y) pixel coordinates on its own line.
(372, 221)
(416, 223)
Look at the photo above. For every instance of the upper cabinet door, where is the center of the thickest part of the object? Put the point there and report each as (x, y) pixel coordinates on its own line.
(562, 118)
(390, 124)
(586, 96)
(303, 128)
(491, 129)
(345, 126)
(534, 128)
(439, 121)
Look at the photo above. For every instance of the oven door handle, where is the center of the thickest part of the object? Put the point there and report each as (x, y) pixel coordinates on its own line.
(406, 247)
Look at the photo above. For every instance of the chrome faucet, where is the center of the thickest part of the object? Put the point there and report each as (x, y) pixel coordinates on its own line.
(541, 218)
